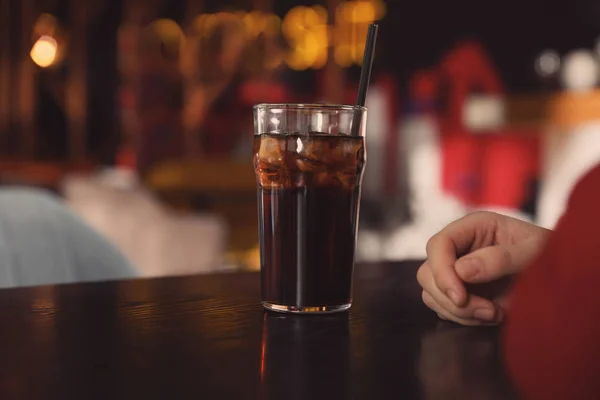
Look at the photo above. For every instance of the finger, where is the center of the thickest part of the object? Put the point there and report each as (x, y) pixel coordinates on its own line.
(473, 231)
(494, 262)
(446, 315)
(441, 256)
(476, 307)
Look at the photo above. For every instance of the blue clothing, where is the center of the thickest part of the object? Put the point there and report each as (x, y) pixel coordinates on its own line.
(43, 242)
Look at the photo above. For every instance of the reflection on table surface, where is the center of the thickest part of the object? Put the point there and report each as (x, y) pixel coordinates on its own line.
(462, 363)
(305, 357)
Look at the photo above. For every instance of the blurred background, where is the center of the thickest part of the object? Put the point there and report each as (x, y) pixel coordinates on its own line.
(138, 113)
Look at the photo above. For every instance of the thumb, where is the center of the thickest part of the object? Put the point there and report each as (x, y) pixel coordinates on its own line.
(494, 262)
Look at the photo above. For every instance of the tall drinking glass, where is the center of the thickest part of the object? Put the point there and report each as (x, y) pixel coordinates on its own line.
(309, 161)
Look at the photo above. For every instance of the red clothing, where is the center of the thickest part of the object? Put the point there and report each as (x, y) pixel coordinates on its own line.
(552, 336)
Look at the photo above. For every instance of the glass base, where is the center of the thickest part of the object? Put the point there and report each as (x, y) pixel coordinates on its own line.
(305, 310)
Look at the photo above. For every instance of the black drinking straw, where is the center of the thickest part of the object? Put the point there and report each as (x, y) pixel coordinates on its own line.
(365, 75)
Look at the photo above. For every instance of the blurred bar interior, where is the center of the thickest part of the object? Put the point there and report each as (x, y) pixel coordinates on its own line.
(138, 112)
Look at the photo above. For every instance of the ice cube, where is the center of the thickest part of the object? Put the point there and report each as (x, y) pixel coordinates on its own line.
(346, 178)
(346, 150)
(312, 148)
(272, 150)
(272, 175)
(308, 165)
(270, 165)
(324, 178)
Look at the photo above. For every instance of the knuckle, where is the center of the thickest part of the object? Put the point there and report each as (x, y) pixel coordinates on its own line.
(483, 219)
(421, 274)
(425, 297)
(432, 243)
(483, 215)
(438, 278)
(428, 300)
(479, 214)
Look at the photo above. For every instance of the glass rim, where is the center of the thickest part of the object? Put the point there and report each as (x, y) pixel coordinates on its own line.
(310, 106)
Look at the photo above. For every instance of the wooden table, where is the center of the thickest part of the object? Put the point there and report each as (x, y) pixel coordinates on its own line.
(207, 337)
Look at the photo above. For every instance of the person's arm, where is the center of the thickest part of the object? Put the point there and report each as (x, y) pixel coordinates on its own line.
(552, 334)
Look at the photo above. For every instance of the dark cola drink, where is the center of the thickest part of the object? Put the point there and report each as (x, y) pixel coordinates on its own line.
(308, 204)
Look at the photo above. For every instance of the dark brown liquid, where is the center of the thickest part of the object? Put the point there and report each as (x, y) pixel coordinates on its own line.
(308, 195)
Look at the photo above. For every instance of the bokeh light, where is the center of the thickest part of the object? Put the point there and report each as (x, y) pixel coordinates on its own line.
(352, 19)
(547, 64)
(307, 33)
(170, 34)
(306, 30)
(580, 70)
(43, 52)
(45, 24)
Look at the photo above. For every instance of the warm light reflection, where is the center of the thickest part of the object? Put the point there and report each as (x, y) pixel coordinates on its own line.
(343, 55)
(356, 12)
(307, 33)
(306, 29)
(43, 52)
(45, 309)
(352, 21)
(207, 24)
(263, 349)
(257, 23)
(46, 24)
(170, 35)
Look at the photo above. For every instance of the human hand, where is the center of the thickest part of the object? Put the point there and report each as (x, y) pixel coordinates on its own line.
(469, 261)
